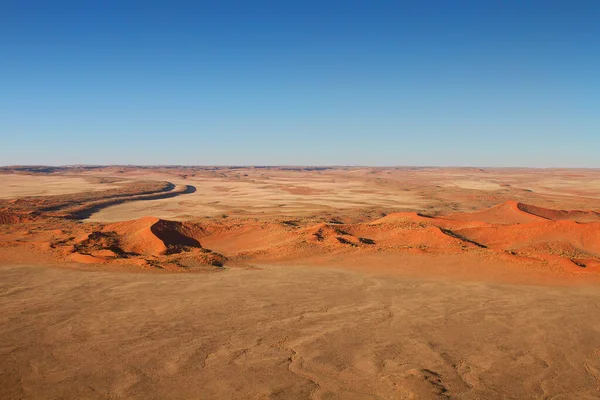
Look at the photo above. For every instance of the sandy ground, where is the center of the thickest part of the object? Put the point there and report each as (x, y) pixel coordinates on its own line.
(272, 192)
(261, 192)
(292, 333)
(349, 283)
(298, 194)
(12, 185)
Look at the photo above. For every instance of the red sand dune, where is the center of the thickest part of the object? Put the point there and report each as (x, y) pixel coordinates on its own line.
(509, 229)
(152, 236)
(546, 236)
(505, 213)
(571, 215)
(512, 212)
(137, 236)
(430, 236)
(8, 217)
(246, 236)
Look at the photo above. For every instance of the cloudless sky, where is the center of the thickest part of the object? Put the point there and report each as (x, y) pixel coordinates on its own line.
(482, 83)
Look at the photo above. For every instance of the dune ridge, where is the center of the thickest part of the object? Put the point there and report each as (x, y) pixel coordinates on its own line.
(562, 215)
(511, 231)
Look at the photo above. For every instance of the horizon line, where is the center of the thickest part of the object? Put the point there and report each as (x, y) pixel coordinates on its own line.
(260, 166)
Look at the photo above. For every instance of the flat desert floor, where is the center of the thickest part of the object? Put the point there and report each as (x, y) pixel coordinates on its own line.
(292, 332)
(291, 283)
(298, 192)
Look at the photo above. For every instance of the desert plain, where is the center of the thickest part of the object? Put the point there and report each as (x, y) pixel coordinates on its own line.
(299, 282)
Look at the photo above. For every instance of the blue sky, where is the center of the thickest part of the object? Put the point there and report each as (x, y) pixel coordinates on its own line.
(470, 83)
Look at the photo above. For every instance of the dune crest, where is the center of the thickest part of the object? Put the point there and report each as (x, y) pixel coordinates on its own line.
(560, 215)
(506, 213)
(153, 236)
(510, 229)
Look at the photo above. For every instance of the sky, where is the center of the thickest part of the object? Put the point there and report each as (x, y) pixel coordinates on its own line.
(398, 83)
